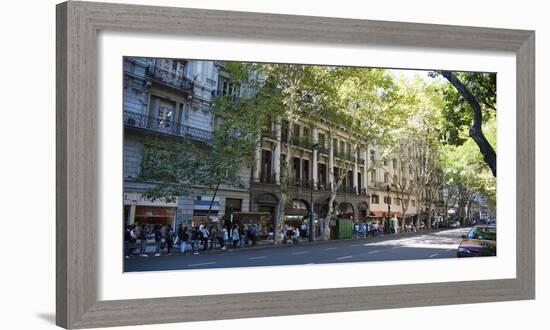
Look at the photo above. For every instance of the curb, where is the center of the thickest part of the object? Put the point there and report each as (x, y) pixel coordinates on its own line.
(379, 238)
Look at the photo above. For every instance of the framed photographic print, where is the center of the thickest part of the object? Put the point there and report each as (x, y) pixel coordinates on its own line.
(248, 164)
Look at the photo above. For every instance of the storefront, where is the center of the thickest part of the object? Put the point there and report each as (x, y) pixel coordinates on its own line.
(262, 220)
(205, 210)
(139, 209)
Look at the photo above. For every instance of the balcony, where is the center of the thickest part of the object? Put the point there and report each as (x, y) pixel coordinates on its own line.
(323, 149)
(300, 183)
(302, 142)
(269, 134)
(170, 78)
(267, 178)
(137, 120)
(323, 186)
(346, 189)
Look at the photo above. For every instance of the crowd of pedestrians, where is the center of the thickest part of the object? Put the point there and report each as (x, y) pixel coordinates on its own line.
(201, 237)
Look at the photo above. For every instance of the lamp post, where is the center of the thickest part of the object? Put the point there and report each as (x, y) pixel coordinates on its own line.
(388, 230)
(311, 235)
(445, 196)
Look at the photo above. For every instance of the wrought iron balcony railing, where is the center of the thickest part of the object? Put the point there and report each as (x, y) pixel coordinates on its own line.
(171, 78)
(323, 149)
(346, 189)
(138, 120)
(267, 178)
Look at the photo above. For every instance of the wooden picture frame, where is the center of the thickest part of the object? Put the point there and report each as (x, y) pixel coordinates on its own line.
(78, 24)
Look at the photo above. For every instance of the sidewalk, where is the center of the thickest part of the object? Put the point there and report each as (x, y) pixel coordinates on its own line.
(263, 244)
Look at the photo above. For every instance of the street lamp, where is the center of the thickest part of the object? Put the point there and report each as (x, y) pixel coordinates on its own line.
(311, 235)
(445, 196)
(388, 230)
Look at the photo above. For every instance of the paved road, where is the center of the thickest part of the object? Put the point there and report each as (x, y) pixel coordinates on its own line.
(428, 245)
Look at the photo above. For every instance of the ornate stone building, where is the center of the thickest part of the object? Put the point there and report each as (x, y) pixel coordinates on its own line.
(172, 98)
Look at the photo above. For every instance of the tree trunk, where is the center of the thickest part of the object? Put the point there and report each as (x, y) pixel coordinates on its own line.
(284, 182)
(326, 233)
(212, 201)
(476, 132)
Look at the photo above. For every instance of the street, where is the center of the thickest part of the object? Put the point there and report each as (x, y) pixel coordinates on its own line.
(407, 246)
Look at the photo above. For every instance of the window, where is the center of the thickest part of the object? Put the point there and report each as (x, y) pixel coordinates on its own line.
(299, 204)
(372, 155)
(165, 116)
(374, 199)
(228, 88)
(385, 162)
(322, 140)
(386, 177)
(306, 134)
(406, 202)
(387, 200)
(398, 201)
(410, 169)
(394, 164)
(296, 131)
(410, 184)
(284, 131)
(395, 179)
(373, 176)
(413, 202)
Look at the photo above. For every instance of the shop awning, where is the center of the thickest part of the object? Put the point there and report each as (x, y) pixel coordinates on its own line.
(377, 214)
(154, 212)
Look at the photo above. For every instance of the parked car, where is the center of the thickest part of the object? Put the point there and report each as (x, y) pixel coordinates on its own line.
(480, 241)
(454, 224)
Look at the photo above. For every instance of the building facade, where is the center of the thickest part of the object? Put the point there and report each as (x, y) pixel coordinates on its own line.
(172, 98)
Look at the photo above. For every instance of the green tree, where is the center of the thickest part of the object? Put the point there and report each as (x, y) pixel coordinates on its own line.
(472, 99)
(177, 165)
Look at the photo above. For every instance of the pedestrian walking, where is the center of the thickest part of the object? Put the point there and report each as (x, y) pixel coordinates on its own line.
(220, 237)
(127, 242)
(270, 233)
(162, 238)
(363, 230)
(195, 237)
(295, 235)
(376, 228)
(284, 233)
(235, 235)
(355, 231)
(253, 232)
(225, 235)
(158, 240)
(205, 234)
(214, 234)
(143, 241)
(169, 239)
(184, 237)
(242, 236)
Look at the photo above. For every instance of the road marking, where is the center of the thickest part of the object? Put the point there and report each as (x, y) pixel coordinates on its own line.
(328, 249)
(300, 252)
(434, 255)
(346, 257)
(375, 251)
(254, 258)
(202, 264)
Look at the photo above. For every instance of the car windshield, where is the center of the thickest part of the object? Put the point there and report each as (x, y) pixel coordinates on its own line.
(483, 233)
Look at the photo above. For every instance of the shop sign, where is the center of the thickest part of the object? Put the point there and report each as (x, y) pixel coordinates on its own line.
(133, 198)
